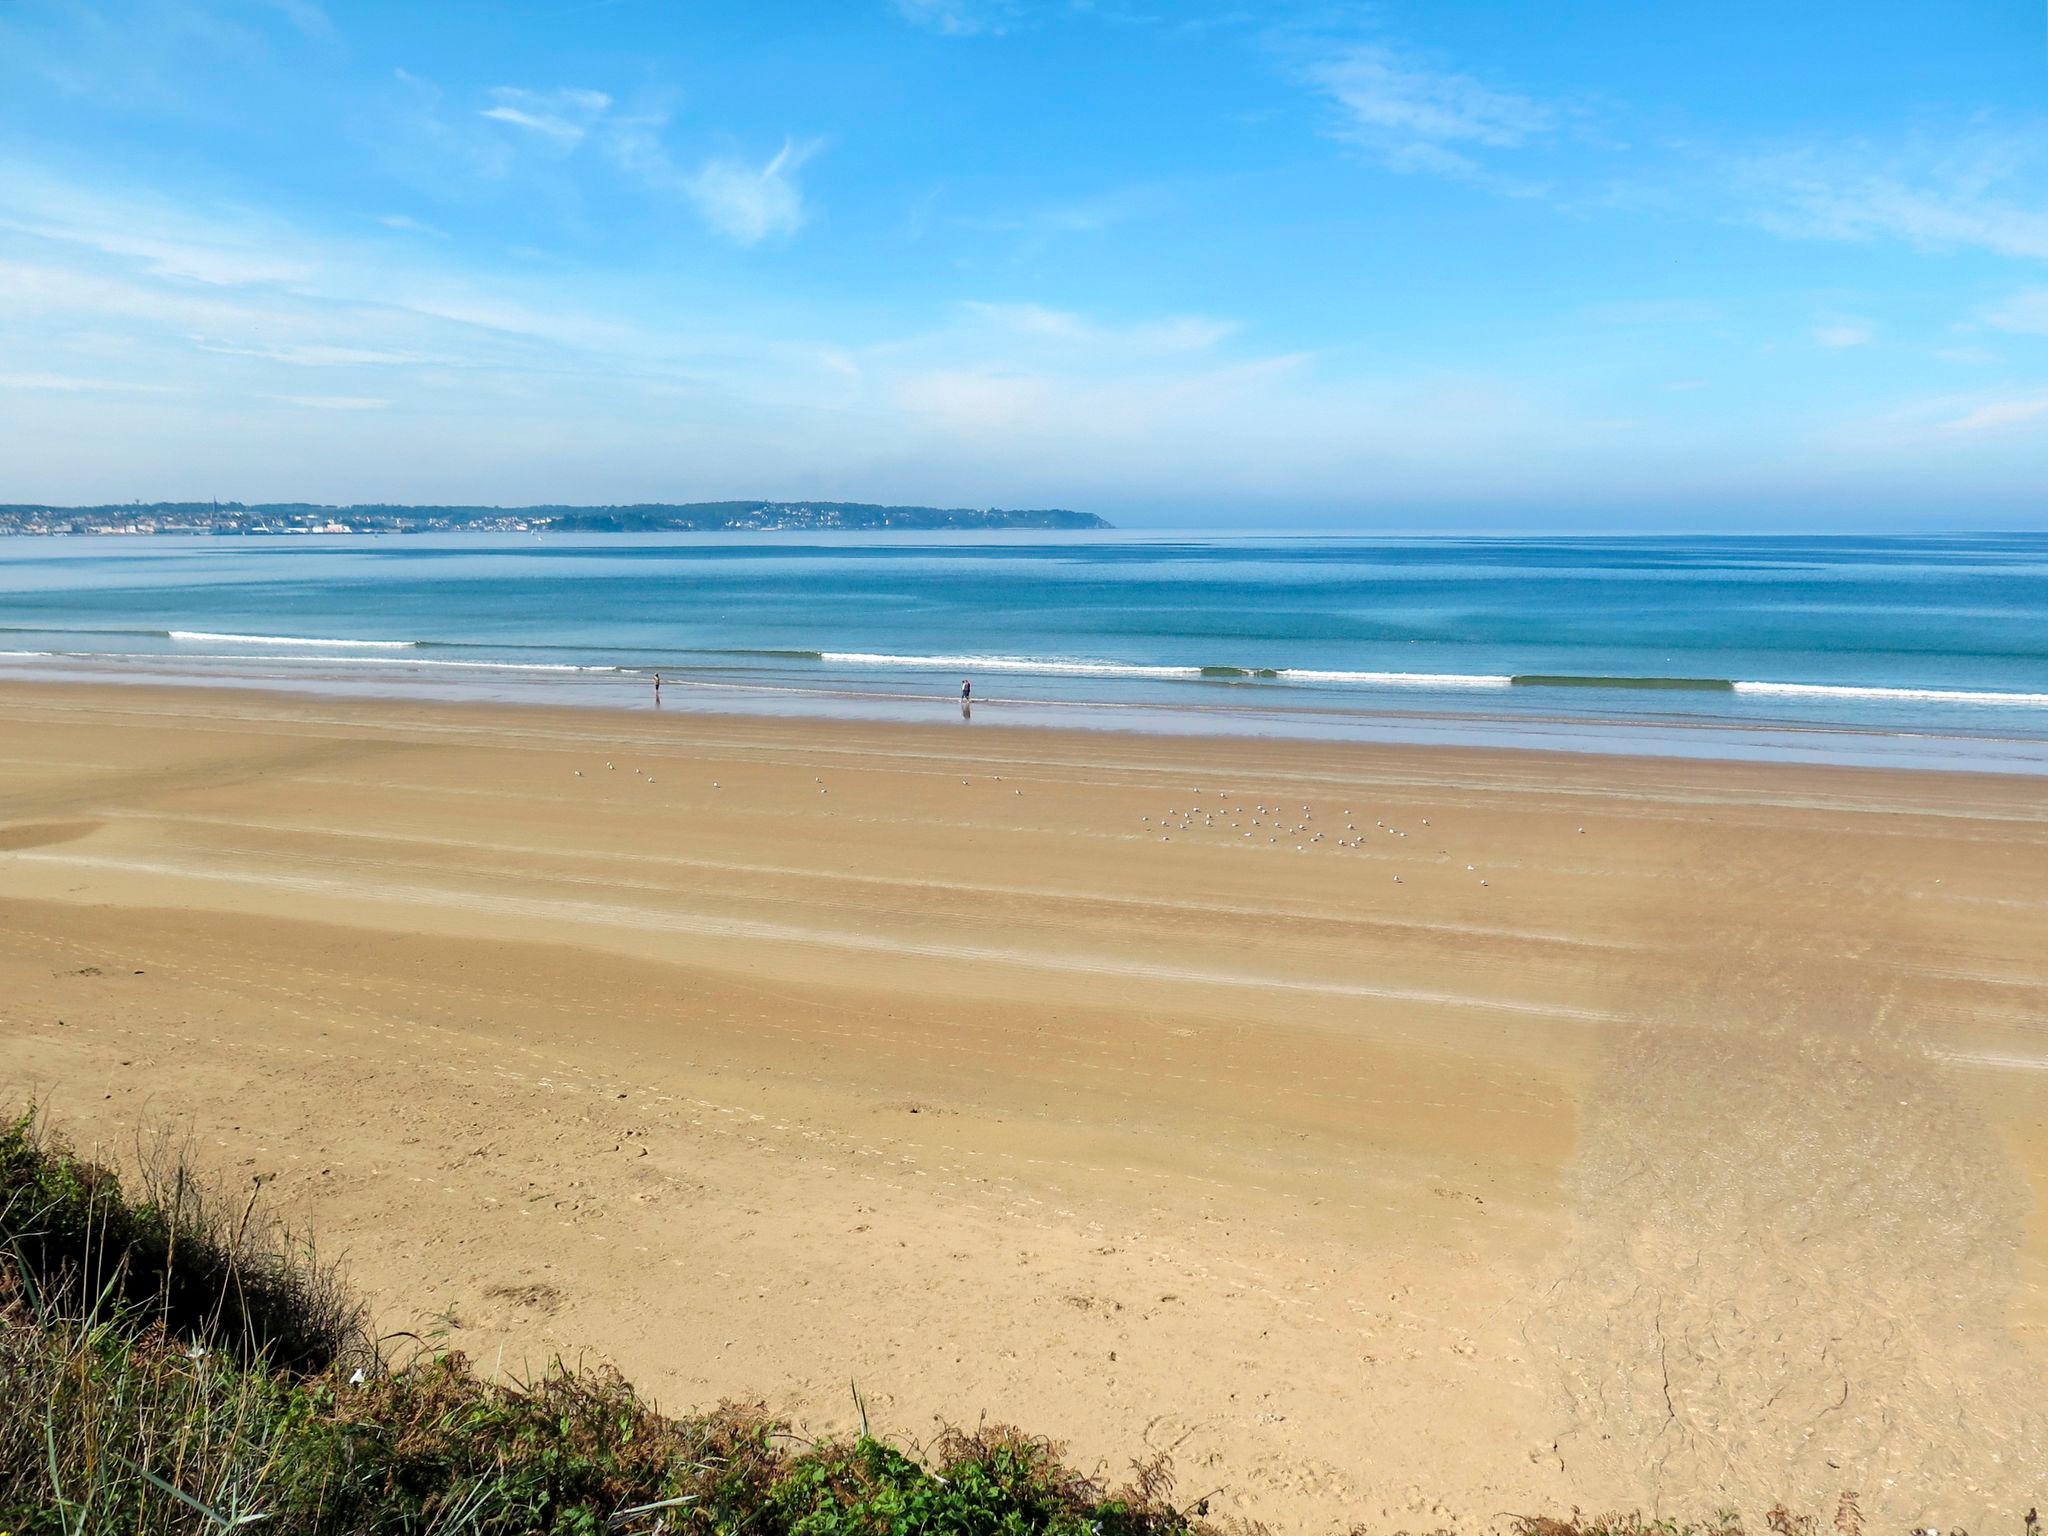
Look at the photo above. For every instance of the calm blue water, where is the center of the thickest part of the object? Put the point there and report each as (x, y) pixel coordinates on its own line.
(1925, 650)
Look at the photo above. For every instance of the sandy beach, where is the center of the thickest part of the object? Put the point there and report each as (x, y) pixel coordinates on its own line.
(1394, 1135)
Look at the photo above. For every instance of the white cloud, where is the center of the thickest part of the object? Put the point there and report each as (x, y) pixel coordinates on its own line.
(959, 18)
(322, 355)
(1839, 335)
(222, 248)
(1999, 414)
(60, 383)
(306, 16)
(1978, 190)
(2026, 313)
(1419, 120)
(563, 116)
(334, 402)
(748, 204)
(405, 223)
(1175, 333)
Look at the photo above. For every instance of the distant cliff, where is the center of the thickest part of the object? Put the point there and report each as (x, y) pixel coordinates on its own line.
(644, 517)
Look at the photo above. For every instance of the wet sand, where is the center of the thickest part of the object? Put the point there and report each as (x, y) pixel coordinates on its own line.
(1484, 1132)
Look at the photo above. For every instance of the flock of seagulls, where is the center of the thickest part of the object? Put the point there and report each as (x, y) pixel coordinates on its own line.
(1276, 824)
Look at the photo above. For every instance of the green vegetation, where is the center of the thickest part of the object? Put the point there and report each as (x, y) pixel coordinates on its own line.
(175, 1362)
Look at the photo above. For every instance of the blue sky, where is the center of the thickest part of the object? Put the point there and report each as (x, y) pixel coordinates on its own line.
(1611, 264)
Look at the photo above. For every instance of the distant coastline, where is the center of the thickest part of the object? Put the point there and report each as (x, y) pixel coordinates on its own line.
(301, 517)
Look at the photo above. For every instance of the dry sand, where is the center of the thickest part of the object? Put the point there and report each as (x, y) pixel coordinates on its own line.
(1618, 1134)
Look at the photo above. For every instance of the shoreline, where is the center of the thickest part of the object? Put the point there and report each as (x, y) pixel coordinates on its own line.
(1658, 738)
(1380, 1178)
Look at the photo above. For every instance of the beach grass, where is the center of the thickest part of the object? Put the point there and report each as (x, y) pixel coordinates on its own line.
(175, 1360)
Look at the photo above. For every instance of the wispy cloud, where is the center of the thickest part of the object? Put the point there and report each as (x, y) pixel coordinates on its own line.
(1840, 335)
(1998, 415)
(2025, 313)
(1174, 334)
(405, 223)
(960, 18)
(63, 383)
(564, 116)
(749, 203)
(325, 355)
(1976, 189)
(227, 249)
(309, 18)
(1416, 119)
(335, 402)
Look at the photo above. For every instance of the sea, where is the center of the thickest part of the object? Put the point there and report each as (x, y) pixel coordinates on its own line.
(1922, 652)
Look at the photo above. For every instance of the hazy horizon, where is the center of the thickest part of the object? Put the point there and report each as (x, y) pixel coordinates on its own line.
(1397, 267)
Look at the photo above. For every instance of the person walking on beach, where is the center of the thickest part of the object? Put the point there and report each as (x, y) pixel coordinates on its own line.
(657, 689)
(966, 690)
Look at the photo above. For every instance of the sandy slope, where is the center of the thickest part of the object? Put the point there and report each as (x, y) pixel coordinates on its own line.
(1696, 1156)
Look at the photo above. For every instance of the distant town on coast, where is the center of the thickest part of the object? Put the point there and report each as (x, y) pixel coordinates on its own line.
(298, 517)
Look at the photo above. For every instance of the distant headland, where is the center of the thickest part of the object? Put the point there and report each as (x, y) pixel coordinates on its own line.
(234, 517)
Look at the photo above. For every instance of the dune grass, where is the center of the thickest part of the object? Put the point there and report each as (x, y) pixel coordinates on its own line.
(172, 1360)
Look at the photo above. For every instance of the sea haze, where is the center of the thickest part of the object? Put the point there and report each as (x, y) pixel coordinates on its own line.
(1921, 651)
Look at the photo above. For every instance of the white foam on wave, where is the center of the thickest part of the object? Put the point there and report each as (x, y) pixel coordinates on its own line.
(148, 657)
(221, 639)
(1935, 695)
(1061, 665)
(1403, 679)
(1008, 664)
(408, 661)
